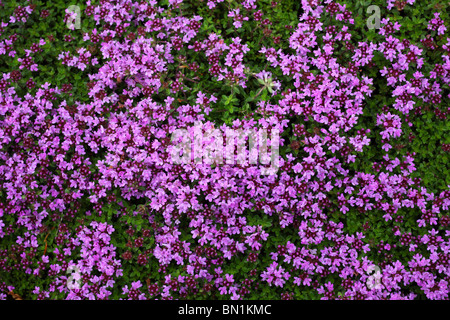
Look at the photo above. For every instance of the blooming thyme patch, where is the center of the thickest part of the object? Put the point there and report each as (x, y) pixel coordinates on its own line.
(92, 104)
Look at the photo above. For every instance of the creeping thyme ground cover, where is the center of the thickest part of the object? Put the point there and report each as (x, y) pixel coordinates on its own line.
(91, 207)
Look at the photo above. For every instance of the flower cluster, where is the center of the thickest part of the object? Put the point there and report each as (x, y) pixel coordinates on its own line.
(92, 207)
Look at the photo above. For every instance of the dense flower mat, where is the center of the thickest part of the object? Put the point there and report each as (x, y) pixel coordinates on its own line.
(91, 207)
